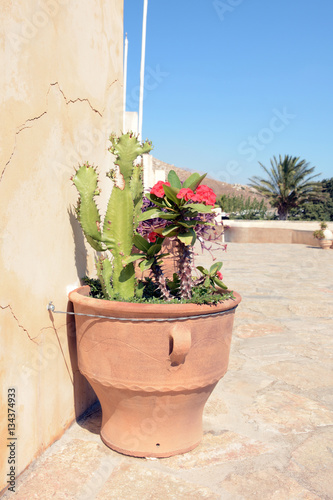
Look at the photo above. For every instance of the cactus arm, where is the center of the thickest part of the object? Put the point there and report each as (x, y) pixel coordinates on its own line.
(85, 180)
(96, 245)
(127, 148)
(104, 273)
(123, 210)
(118, 237)
(137, 194)
(117, 229)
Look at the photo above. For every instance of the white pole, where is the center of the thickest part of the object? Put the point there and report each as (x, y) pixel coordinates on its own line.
(142, 70)
(125, 83)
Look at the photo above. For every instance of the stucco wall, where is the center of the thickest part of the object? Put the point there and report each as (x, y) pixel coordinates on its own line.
(61, 96)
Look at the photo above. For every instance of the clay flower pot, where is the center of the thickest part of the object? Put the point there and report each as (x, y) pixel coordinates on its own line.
(325, 244)
(152, 377)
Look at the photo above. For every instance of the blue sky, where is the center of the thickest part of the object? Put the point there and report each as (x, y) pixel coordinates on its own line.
(230, 83)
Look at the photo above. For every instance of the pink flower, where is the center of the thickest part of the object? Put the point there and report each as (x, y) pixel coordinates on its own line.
(205, 194)
(158, 190)
(219, 275)
(185, 193)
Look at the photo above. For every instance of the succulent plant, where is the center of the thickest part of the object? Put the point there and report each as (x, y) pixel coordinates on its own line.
(186, 207)
(116, 232)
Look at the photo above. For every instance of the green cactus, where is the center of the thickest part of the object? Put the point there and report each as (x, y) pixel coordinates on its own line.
(121, 218)
(104, 273)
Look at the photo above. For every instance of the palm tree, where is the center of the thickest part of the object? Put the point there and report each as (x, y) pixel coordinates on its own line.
(289, 184)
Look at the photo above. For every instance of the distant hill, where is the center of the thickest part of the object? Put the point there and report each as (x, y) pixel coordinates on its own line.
(218, 187)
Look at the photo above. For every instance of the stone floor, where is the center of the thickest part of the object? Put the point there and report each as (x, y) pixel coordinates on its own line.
(268, 424)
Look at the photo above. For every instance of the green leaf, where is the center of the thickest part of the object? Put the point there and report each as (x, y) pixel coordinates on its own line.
(125, 275)
(154, 249)
(159, 258)
(202, 270)
(173, 286)
(158, 230)
(215, 268)
(154, 199)
(174, 179)
(168, 216)
(191, 179)
(190, 223)
(220, 284)
(170, 231)
(187, 238)
(146, 264)
(207, 281)
(140, 243)
(171, 193)
(197, 182)
(151, 213)
(199, 207)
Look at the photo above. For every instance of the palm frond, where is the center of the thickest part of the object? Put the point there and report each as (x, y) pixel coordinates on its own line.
(289, 183)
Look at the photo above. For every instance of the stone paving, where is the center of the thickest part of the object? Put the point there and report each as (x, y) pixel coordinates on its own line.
(268, 424)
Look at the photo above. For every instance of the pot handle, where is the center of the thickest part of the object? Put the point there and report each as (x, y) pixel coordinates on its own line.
(180, 344)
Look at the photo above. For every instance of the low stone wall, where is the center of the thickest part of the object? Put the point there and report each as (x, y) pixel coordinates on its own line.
(253, 231)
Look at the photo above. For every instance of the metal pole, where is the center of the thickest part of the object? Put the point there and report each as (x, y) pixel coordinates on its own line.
(142, 70)
(125, 83)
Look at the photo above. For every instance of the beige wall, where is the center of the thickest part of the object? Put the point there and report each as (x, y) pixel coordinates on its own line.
(249, 231)
(61, 95)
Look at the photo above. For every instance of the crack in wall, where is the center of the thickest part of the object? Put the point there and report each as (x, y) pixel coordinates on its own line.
(18, 130)
(8, 162)
(22, 127)
(112, 83)
(73, 101)
(18, 323)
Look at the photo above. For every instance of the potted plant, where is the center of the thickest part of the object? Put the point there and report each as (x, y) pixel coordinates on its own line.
(324, 235)
(153, 349)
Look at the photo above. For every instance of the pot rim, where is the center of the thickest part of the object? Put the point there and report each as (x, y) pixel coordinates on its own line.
(80, 297)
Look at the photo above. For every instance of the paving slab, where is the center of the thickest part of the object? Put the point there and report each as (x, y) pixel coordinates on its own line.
(268, 426)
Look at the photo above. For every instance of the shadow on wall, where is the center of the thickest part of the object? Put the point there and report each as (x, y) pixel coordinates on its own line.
(84, 396)
(80, 249)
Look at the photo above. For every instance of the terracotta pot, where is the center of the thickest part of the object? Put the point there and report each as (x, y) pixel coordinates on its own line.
(325, 244)
(152, 378)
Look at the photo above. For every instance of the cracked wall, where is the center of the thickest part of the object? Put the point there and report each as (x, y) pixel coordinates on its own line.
(61, 97)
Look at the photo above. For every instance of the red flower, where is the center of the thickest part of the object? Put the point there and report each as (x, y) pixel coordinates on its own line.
(185, 193)
(196, 197)
(205, 194)
(219, 275)
(158, 190)
(152, 236)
